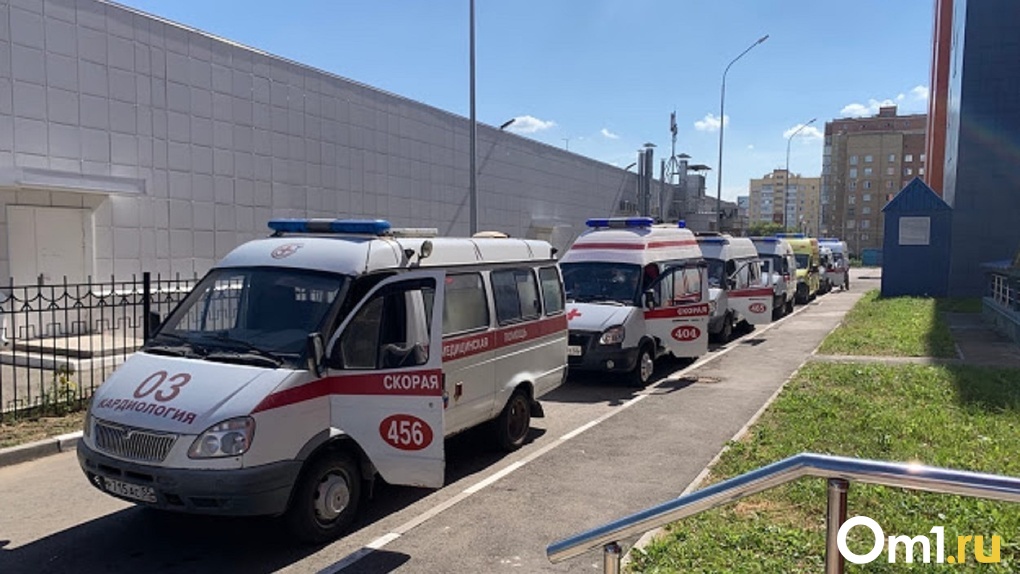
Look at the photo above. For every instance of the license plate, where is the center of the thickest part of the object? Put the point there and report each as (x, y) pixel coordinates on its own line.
(573, 350)
(132, 491)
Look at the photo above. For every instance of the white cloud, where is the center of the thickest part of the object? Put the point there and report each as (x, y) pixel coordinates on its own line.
(899, 97)
(920, 93)
(750, 146)
(605, 132)
(529, 125)
(710, 123)
(856, 110)
(810, 132)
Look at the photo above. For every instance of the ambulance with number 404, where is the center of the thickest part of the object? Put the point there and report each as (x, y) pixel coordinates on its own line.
(635, 291)
(306, 364)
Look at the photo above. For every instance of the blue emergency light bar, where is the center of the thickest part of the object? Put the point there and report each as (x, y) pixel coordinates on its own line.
(713, 239)
(681, 224)
(597, 222)
(354, 226)
(830, 239)
(791, 235)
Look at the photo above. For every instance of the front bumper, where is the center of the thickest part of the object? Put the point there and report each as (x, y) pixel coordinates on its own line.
(596, 357)
(262, 490)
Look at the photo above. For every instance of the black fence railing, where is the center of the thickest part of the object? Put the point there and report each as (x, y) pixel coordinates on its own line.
(59, 342)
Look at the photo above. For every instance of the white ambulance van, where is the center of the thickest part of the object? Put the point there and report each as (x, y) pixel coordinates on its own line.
(780, 266)
(635, 291)
(307, 363)
(839, 269)
(738, 290)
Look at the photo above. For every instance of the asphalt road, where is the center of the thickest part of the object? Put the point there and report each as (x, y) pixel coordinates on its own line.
(602, 452)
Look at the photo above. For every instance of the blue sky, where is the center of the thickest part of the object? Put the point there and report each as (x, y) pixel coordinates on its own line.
(605, 74)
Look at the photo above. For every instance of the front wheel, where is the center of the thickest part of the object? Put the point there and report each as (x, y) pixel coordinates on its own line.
(644, 369)
(514, 422)
(325, 499)
(789, 306)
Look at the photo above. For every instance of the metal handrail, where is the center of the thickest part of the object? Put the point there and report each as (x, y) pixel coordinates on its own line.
(838, 469)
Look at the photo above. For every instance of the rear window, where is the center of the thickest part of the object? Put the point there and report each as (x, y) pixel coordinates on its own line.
(552, 290)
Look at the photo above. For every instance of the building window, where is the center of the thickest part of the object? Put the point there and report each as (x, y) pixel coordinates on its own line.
(908, 171)
(868, 159)
(888, 184)
(890, 170)
(922, 158)
(908, 157)
(853, 172)
(850, 211)
(867, 184)
(920, 171)
(864, 237)
(865, 223)
(851, 199)
(867, 197)
(852, 186)
(850, 223)
(853, 160)
(867, 171)
(865, 210)
(888, 197)
(892, 158)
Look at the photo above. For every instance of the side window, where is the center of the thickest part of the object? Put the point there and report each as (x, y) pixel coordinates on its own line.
(516, 295)
(691, 284)
(552, 290)
(466, 307)
(390, 331)
(664, 289)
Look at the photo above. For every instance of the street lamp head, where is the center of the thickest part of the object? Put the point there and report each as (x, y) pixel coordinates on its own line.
(763, 38)
(507, 123)
(630, 166)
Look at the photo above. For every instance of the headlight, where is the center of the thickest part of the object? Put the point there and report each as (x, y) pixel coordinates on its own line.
(87, 431)
(612, 336)
(228, 438)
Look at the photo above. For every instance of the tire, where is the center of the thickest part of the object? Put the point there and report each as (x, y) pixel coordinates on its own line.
(325, 499)
(642, 373)
(727, 331)
(514, 422)
(778, 308)
(789, 307)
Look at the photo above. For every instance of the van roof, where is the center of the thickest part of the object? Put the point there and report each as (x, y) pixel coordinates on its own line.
(637, 245)
(772, 245)
(357, 253)
(726, 247)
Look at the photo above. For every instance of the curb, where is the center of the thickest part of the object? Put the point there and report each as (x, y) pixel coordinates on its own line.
(39, 449)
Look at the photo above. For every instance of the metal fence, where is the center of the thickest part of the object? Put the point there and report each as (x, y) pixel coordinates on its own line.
(61, 341)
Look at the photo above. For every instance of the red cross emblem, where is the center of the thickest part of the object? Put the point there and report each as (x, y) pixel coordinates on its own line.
(573, 313)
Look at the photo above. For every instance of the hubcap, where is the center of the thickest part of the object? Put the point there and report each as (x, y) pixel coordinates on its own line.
(331, 497)
(516, 419)
(647, 366)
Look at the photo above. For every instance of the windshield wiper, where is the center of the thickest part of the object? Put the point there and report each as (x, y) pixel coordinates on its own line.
(185, 348)
(250, 351)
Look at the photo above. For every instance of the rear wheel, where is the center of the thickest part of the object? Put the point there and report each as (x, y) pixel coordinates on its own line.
(514, 422)
(644, 369)
(325, 499)
(789, 306)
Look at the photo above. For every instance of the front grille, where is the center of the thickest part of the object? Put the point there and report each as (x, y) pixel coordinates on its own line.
(133, 443)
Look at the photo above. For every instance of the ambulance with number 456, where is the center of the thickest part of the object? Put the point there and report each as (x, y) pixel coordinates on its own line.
(308, 363)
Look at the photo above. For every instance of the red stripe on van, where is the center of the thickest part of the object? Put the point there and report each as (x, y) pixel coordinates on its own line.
(636, 246)
(753, 292)
(424, 383)
(698, 310)
(468, 345)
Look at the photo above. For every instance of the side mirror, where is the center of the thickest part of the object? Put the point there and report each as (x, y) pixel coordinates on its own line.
(315, 353)
(152, 321)
(649, 299)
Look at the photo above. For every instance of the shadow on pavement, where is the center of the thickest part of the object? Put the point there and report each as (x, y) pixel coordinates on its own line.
(144, 540)
(378, 562)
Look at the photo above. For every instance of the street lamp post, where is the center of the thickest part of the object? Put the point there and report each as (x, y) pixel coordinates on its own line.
(473, 192)
(786, 185)
(722, 125)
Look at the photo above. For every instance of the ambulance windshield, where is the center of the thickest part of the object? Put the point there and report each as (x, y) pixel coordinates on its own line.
(260, 316)
(601, 282)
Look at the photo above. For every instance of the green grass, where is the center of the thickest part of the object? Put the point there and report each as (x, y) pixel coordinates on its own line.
(957, 417)
(897, 326)
(958, 305)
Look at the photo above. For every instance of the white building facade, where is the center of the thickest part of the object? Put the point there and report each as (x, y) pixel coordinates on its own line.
(129, 143)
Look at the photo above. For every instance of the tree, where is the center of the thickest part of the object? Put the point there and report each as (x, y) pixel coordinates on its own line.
(765, 228)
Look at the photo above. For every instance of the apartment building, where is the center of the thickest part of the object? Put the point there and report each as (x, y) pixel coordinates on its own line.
(865, 162)
(791, 201)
